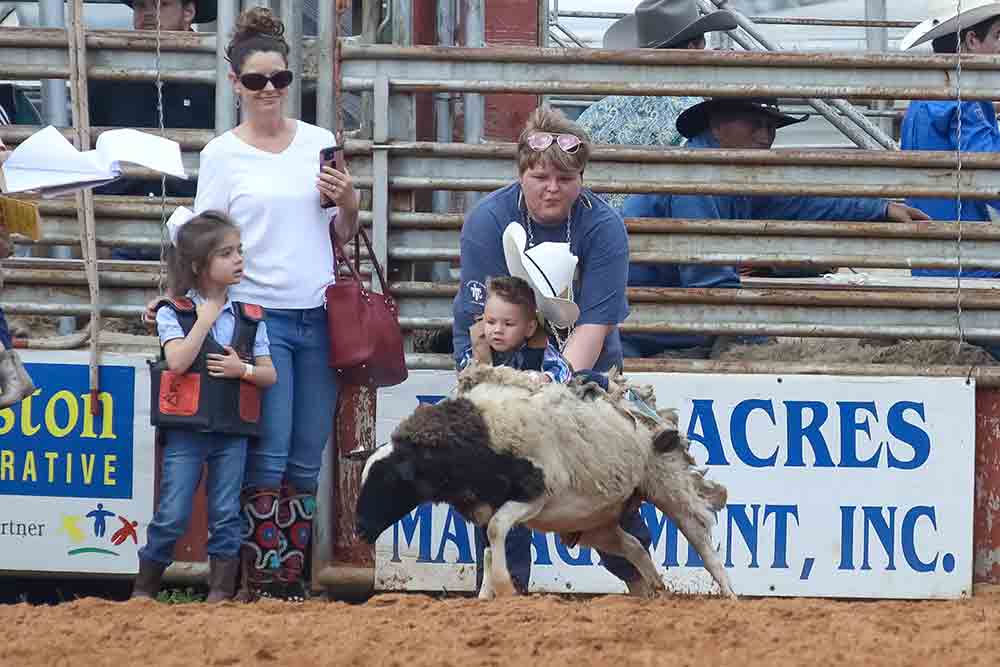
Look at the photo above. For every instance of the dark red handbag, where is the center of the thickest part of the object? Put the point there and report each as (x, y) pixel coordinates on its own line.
(366, 344)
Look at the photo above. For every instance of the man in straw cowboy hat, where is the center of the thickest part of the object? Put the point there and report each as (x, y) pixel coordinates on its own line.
(735, 123)
(571, 248)
(934, 125)
(650, 121)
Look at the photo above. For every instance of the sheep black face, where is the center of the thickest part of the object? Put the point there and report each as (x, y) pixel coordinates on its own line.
(388, 492)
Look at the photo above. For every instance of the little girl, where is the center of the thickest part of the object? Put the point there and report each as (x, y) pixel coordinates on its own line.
(205, 398)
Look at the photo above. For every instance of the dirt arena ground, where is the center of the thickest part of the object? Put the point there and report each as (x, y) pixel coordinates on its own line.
(412, 630)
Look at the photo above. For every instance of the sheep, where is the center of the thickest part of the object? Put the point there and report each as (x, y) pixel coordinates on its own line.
(509, 449)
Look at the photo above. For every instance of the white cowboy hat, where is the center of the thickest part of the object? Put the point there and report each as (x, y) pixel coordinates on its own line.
(549, 268)
(945, 20)
(662, 23)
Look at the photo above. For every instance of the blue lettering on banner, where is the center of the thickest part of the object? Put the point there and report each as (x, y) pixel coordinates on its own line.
(798, 433)
(804, 421)
(909, 433)
(58, 443)
(882, 521)
(742, 524)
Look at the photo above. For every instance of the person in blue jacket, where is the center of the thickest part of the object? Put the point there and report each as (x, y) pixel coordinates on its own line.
(732, 123)
(934, 125)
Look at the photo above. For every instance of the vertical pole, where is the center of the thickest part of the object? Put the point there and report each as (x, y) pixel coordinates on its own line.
(77, 43)
(442, 101)
(326, 103)
(475, 37)
(370, 20)
(878, 42)
(225, 97)
(291, 16)
(54, 103)
(55, 111)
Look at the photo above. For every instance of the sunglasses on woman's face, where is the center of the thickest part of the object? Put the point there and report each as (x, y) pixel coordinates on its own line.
(254, 81)
(539, 141)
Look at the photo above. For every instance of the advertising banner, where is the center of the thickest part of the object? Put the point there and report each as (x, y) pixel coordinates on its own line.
(838, 486)
(76, 472)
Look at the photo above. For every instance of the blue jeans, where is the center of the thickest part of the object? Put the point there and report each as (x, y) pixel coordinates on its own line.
(4, 332)
(183, 456)
(297, 412)
(518, 555)
(519, 552)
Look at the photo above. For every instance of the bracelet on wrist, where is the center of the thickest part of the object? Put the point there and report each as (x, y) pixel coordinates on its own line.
(247, 371)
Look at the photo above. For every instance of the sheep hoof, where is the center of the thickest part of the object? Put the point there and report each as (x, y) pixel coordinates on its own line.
(640, 588)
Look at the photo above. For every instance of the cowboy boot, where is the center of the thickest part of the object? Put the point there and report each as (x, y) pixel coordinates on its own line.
(147, 582)
(14, 379)
(222, 578)
(295, 518)
(259, 550)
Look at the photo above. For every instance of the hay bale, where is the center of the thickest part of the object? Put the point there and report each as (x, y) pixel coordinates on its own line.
(860, 351)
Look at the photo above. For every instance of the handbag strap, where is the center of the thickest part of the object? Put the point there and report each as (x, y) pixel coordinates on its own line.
(355, 268)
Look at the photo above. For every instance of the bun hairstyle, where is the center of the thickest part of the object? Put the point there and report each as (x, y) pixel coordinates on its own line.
(257, 29)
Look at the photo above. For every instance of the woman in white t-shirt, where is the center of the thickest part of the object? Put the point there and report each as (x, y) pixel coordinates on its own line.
(266, 175)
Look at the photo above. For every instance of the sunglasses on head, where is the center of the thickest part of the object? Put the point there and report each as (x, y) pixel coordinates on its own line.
(539, 141)
(254, 81)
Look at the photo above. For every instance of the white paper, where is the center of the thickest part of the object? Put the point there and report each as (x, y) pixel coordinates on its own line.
(149, 150)
(48, 163)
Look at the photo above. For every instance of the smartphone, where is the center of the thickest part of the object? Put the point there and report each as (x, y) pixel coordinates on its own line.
(332, 156)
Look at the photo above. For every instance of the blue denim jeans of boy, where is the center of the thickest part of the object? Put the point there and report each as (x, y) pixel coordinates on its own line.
(184, 454)
(519, 552)
(297, 412)
(518, 556)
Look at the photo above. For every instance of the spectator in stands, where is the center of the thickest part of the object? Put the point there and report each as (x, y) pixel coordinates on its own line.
(740, 124)
(135, 103)
(934, 125)
(650, 121)
(266, 175)
(554, 208)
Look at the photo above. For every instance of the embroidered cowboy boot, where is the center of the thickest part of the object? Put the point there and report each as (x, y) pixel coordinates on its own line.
(259, 550)
(295, 518)
(15, 382)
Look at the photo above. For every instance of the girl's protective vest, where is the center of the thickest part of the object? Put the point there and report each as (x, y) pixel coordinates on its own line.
(195, 400)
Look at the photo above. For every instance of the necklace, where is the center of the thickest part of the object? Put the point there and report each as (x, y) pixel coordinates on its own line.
(529, 222)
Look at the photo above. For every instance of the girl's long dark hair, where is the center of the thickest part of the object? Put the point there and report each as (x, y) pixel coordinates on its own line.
(197, 240)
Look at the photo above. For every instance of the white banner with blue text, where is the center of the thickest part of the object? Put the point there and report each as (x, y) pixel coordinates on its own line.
(76, 470)
(838, 486)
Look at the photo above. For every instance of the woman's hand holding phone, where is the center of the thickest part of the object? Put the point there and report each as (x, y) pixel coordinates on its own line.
(336, 188)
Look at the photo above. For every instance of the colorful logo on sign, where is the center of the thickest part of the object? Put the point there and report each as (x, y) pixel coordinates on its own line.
(91, 533)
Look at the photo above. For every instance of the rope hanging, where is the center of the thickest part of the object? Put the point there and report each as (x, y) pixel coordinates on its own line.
(958, 177)
(162, 274)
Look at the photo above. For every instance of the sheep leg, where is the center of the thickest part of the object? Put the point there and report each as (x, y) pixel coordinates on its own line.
(615, 540)
(700, 537)
(509, 514)
(486, 591)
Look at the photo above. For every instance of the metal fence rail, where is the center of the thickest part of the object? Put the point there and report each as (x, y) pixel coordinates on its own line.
(667, 72)
(394, 162)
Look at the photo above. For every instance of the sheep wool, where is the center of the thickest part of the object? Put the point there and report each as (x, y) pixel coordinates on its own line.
(510, 449)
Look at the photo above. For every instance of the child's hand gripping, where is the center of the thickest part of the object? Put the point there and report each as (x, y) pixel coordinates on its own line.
(228, 365)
